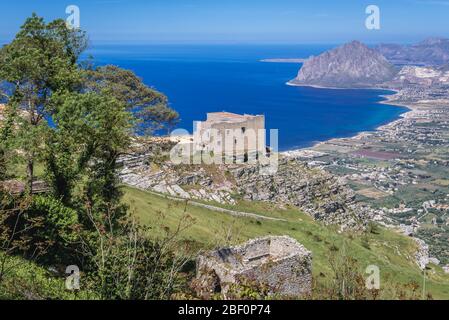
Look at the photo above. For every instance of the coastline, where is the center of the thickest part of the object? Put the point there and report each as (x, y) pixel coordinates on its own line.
(287, 60)
(406, 141)
(388, 101)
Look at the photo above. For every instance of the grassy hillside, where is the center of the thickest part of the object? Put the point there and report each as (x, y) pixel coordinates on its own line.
(26, 280)
(391, 252)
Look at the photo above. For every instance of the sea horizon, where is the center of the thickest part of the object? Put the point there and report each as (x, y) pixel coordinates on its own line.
(106, 193)
(207, 78)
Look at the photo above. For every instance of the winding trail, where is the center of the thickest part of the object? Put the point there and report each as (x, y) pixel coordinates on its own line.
(217, 209)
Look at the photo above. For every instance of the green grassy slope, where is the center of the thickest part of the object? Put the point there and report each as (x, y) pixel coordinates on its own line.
(391, 252)
(24, 280)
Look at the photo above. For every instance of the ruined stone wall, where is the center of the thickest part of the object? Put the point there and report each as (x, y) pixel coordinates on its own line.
(290, 277)
(279, 264)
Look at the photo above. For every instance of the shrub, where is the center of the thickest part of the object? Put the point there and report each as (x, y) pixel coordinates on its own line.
(55, 234)
(373, 228)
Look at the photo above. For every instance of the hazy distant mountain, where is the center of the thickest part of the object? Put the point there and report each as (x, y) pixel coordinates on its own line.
(352, 65)
(432, 51)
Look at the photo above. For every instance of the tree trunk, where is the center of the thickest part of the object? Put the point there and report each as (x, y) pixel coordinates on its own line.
(2, 165)
(30, 174)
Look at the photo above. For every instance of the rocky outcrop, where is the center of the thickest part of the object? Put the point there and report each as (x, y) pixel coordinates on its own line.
(148, 167)
(320, 194)
(178, 181)
(279, 265)
(422, 253)
(353, 65)
(446, 269)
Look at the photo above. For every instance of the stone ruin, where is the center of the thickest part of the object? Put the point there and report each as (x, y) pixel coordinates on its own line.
(280, 265)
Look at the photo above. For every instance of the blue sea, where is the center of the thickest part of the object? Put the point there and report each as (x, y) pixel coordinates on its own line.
(204, 78)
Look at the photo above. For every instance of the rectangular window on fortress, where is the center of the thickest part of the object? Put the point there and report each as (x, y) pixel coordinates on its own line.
(243, 129)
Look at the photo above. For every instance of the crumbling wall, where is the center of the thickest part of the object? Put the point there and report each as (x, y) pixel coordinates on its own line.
(279, 264)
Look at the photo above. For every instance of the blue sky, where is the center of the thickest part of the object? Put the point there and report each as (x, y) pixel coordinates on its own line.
(239, 21)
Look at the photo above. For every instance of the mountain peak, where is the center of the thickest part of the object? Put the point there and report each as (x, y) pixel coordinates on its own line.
(429, 52)
(354, 43)
(350, 65)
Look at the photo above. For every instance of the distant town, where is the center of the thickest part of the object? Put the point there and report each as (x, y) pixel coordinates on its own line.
(401, 169)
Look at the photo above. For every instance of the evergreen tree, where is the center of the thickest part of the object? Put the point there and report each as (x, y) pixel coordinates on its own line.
(150, 107)
(40, 61)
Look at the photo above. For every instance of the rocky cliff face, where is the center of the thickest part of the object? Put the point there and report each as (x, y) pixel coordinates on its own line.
(322, 195)
(147, 167)
(353, 65)
(316, 192)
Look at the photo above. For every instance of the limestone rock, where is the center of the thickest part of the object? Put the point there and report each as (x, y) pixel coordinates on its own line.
(422, 254)
(279, 264)
(351, 65)
(323, 196)
(318, 193)
(180, 192)
(446, 269)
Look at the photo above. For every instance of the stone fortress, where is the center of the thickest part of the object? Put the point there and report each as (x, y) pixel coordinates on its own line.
(279, 264)
(231, 135)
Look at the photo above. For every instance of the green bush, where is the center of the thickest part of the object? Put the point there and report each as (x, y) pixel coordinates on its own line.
(56, 232)
(59, 220)
(26, 280)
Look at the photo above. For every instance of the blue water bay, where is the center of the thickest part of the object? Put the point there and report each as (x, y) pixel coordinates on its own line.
(198, 79)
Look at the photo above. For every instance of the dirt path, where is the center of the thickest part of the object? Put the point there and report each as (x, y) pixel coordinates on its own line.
(218, 209)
